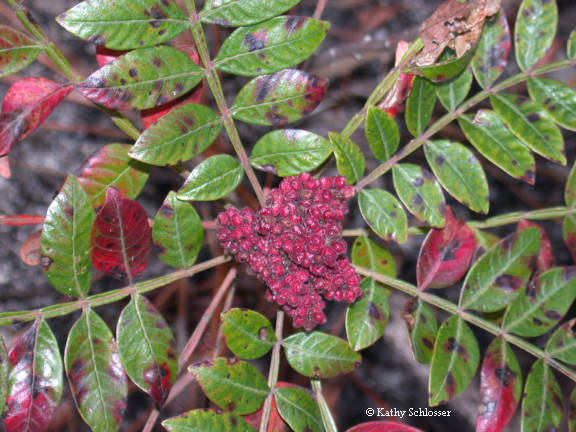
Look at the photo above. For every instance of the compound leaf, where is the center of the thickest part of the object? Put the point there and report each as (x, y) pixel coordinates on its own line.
(120, 237)
(279, 98)
(500, 387)
(248, 334)
(445, 254)
(201, 420)
(111, 166)
(235, 386)
(490, 136)
(147, 348)
(349, 158)
(542, 404)
(557, 98)
(319, 355)
(382, 133)
(545, 301)
(65, 240)
(95, 373)
(214, 178)
(142, 79)
(534, 31)
(34, 385)
(177, 232)
(125, 25)
(459, 172)
(420, 193)
(298, 409)
(181, 134)
(422, 326)
(382, 211)
(243, 12)
(18, 50)
(270, 46)
(499, 275)
(454, 362)
(289, 152)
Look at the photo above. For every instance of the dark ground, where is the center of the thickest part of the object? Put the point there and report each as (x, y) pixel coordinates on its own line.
(357, 53)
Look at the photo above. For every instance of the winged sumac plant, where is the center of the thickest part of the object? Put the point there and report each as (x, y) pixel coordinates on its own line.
(292, 240)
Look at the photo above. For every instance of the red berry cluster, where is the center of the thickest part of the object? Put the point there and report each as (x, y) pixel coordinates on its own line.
(295, 245)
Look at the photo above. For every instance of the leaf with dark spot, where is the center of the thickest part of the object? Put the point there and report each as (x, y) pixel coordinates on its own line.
(445, 254)
(18, 50)
(562, 344)
(280, 98)
(454, 362)
(545, 259)
(66, 240)
(499, 275)
(34, 384)
(542, 405)
(162, 73)
(26, 104)
(558, 99)
(95, 374)
(554, 292)
(382, 211)
(500, 387)
(248, 334)
(128, 25)
(120, 238)
(147, 348)
(110, 166)
(238, 387)
(422, 327)
(199, 420)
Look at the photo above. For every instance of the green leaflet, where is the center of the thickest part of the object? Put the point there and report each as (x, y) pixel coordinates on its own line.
(450, 93)
(17, 50)
(492, 51)
(382, 211)
(280, 98)
(382, 133)
(570, 188)
(289, 152)
(422, 327)
(557, 98)
(542, 403)
(65, 242)
(298, 409)
(544, 302)
(454, 362)
(125, 25)
(368, 254)
(562, 344)
(214, 178)
(270, 46)
(319, 355)
(534, 31)
(181, 134)
(530, 123)
(248, 334)
(459, 172)
(490, 136)
(147, 348)
(238, 13)
(571, 46)
(200, 420)
(235, 386)
(420, 105)
(447, 67)
(420, 193)
(178, 232)
(499, 275)
(349, 158)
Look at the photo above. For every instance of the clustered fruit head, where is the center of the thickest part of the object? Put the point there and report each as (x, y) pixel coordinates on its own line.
(294, 244)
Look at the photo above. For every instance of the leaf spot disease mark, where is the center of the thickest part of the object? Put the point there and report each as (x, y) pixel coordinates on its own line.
(97, 40)
(253, 42)
(263, 333)
(504, 375)
(453, 345)
(418, 181)
(375, 312)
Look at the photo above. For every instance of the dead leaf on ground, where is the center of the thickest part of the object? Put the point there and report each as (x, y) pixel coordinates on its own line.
(30, 249)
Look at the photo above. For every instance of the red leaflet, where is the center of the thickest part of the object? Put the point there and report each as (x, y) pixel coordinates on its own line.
(25, 106)
(382, 426)
(445, 254)
(5, 167)
(500, 387)
(546, 255)
(121, 237)
(21, 219)
(195, 95)
(401, 88)
(35, 381)
(275, 424)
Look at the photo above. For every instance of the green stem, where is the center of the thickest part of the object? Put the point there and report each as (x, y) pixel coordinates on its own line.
(453, 309)
(108, 297)
(216, 87)
(273, 372)
(327, 419)
(442, 122)
(515, 217)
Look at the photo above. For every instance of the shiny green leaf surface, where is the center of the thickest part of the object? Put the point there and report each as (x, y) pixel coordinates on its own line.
(248, 334)
(382, 211)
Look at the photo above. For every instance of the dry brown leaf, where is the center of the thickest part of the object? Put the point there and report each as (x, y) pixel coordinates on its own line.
(30, 249)
(454, 25)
